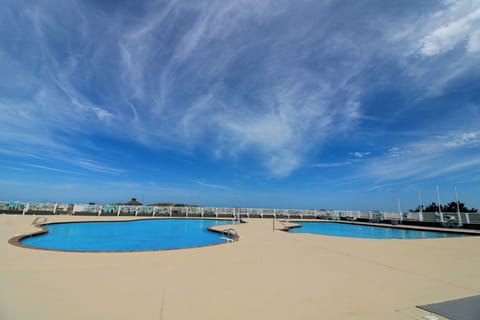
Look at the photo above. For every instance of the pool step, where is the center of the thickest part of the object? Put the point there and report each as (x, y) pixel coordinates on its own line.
(230, 235)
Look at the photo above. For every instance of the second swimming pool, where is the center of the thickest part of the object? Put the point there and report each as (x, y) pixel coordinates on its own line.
(366, 231)
(136, 235)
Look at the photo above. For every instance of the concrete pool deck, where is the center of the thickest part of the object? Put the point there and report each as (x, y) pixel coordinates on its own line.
(265, 275)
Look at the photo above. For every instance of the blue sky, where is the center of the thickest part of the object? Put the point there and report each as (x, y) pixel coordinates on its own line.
(288, 104)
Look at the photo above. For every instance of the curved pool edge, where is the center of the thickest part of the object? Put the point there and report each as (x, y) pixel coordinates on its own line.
(463, 232)
(472, 232)
(15, 241)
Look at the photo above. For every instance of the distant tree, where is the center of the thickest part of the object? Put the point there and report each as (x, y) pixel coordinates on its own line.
(432, 207)
(450, 207)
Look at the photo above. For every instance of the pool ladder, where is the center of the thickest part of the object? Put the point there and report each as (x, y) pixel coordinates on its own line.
(39, 220)
(230, 235)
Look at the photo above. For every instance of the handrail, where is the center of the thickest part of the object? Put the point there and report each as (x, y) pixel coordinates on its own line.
(230, 235)
(39, 220)
(284, 223)
(464, 219)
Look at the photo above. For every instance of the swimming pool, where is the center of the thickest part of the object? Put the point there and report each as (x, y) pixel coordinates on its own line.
(134, 235)
(365, 231)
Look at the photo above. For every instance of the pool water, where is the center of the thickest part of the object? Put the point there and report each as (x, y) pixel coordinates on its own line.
(136, 235)
(365, 231)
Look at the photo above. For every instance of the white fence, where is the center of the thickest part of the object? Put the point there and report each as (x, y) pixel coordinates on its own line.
(32, 207)
(446, 218)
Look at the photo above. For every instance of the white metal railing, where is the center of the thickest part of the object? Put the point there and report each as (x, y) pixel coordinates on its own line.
(97, 209)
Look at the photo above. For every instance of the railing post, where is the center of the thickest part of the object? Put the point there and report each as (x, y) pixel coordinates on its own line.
(439, 205)
(400, 210)
(25, 209)
(459, 216)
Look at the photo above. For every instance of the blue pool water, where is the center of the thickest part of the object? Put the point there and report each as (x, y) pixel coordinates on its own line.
(364, 231)
(137, 235)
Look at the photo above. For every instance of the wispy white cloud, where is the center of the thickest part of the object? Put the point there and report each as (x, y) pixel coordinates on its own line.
(429, 158)
(211, 185)
(94, 166)
(447, 36)
(15, 168)
(435, 48)
(48, 168)
(465, 139)
(458, 166)
(359, 154)
(215, 82)
(272, 81)
(474, 42)
(332, 164)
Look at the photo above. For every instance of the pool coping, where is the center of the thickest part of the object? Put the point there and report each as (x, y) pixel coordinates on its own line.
(15, 241)
(295, 224)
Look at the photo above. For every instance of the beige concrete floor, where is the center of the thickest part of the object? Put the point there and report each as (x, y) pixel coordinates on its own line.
(266, 275)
